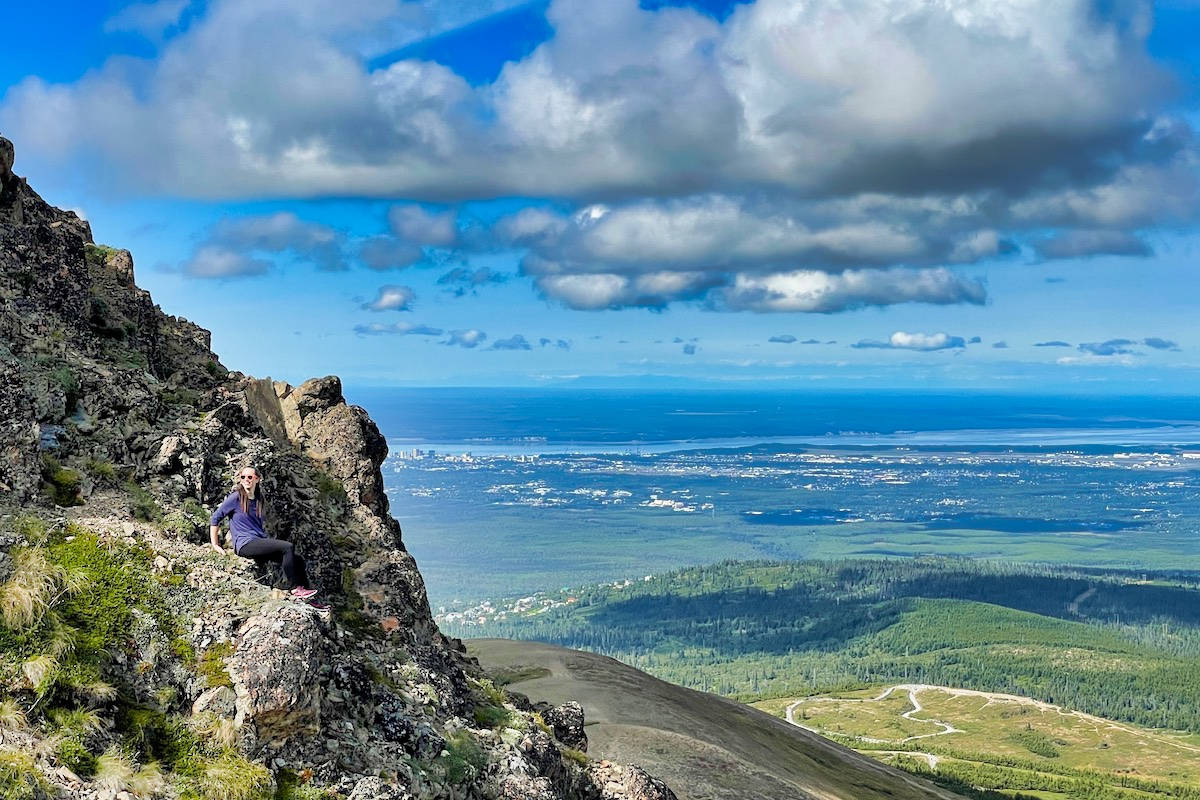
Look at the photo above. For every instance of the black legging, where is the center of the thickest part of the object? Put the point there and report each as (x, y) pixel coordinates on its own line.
(281, 551)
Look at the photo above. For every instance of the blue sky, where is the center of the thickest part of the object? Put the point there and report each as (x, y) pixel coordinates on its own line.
(997, 195)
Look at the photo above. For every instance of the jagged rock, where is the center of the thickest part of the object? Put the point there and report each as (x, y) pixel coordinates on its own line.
(121, 264)
(523, 787)
(276, 673)
(219, 700)
(373, 788)
(566, 721)
(341, 437)
(7, 156)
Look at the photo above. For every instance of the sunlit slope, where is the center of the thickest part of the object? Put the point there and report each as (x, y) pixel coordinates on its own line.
(704, 746)
(1002, 741)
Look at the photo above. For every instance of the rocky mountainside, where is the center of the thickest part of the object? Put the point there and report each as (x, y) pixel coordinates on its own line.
(135, 661)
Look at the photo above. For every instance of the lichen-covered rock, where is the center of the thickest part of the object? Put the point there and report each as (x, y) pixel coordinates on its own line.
(566, 721)
(374, 788)
(620, 782)
(276, 671)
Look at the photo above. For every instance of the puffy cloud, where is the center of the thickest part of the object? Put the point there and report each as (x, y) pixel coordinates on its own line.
(1053, 343)
(397, 329)
(975, 340)
(561, 344)
(468, 338)
(225, 251)
(392, 298)
(419, 226)
(514, 342)
(900, 340)
(1159, 343)
(1000, 345)
(1112, 347)
(785, 338)
(689, 349)
(1078, 243)
(463, 279)
(386, 252)
(217, 261)
(758, 163)
(629, 101)
(809, 290)
(592, 292)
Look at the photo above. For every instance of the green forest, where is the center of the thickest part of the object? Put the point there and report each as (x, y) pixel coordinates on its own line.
(1121, 645)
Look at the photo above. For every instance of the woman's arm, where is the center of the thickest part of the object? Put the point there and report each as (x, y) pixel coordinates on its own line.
(214, 524)
(214, 538)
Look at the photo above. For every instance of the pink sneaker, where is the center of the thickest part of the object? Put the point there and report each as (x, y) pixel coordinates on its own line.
(301, 593)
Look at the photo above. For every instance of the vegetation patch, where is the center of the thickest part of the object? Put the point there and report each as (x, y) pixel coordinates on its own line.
(59, 484)
(142, 504)
(20, 778)
(464, 758)
(67, 609)
(996, 743)
(211, 665)
(774, 629)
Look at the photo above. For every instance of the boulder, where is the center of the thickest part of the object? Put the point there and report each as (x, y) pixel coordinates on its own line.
(620, 782)
(276, 671)
(566, 721)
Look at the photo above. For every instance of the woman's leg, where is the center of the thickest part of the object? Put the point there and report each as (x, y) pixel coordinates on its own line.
(277, 550)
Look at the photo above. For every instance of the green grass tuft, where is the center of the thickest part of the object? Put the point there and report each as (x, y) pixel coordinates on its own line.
(20, 778)
(211, 665)
(142, 504)
(464, 758)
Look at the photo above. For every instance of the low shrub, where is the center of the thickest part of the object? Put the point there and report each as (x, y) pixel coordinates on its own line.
(464, 758)
(142, 504)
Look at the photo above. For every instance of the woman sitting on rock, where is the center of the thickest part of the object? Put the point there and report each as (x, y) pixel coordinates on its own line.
(250, 540)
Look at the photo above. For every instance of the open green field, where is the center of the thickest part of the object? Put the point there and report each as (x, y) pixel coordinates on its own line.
(1000, 741)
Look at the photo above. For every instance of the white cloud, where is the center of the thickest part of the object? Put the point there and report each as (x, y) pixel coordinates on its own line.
(216, 261)
(387, 252)
(627, 101)
(1081, 243)
(813, 291)
(591, 292)
(468, 338)
(415, 224)
(764, 163)
(392, 298)
(925, 342)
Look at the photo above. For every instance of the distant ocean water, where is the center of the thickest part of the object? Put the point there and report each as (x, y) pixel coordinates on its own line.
(557, 420)
(630, 483)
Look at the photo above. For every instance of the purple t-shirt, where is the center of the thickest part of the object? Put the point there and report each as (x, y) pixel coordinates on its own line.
(242, 526)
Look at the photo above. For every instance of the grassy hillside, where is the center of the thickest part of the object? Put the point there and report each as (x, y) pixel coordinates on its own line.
(1118, 645)
(1002, 741)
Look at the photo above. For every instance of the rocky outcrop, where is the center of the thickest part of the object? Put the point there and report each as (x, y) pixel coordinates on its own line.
(118, 421)
(276, 673)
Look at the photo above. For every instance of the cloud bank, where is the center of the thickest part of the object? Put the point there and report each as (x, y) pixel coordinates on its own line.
(759, 163)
